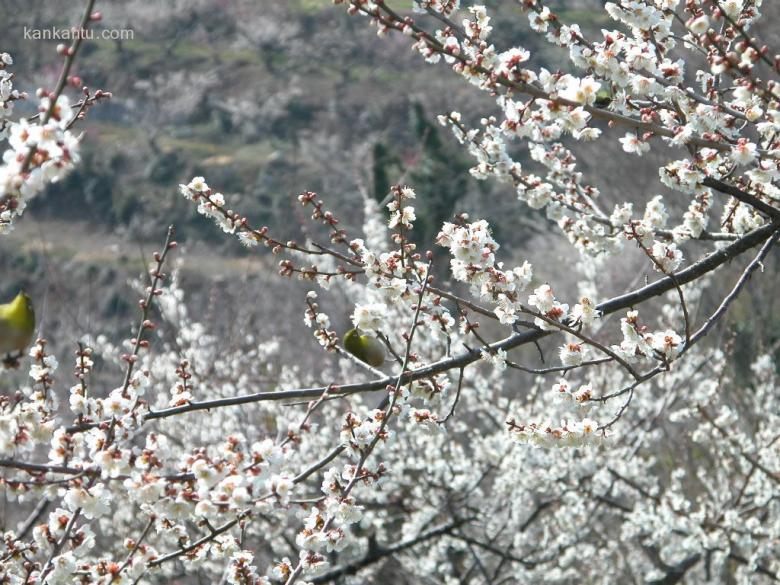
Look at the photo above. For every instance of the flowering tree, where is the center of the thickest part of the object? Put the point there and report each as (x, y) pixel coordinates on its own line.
(639, 455)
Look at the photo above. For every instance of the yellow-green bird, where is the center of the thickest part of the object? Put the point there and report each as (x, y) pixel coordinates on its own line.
(364, 347)
(17, 325)
(603, 97)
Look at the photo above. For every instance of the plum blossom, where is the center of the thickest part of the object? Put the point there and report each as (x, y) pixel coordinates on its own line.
(667, 255)
(667, 343)
(582, 91)
(544, 301)
(572, 354)
(633, 145)
(370, 317)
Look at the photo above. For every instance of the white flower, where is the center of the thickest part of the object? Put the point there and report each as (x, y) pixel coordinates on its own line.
(281, 485)
(583, 394)
(632, 144)
(198, 185)
(206, 509)
(543, 298)
(582, 91)
(394, 288)
(469, 244)
(205, 473)
(497, 358)
(241, 570)
(404, 217)
(248, 239)
(370, 317)
(655, 213)
(313, 563)
(539, 196)
(699, 25)
(539, 21)
(92, 503)
(585, 312)
(347, 512)
(666, 343)
(667, 255)
(509, 60)
(571, 354)
(732, 7)
(588, 426)
(744, 152)
(64, 566)
(282, 569)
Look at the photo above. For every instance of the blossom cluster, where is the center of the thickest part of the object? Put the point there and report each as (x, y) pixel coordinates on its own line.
(578, 433)
(473, 261)
(638, 342)
(39, 153)
(8, 95)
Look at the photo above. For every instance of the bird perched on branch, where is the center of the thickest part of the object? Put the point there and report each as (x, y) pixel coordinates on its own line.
(364, 347)
(17, 325)
(604, 97)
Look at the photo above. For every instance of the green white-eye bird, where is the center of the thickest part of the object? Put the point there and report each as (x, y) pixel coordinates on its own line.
(364, 347)
(17, 325)
(603, 97)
